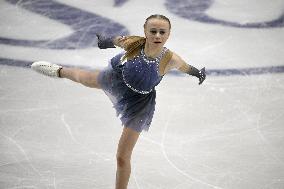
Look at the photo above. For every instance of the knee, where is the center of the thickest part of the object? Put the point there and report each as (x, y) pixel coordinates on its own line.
(122, 161)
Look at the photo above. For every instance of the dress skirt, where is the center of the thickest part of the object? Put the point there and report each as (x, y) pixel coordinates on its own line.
(135, 110)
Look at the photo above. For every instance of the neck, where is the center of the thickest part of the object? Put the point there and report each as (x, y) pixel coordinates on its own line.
(151, 51)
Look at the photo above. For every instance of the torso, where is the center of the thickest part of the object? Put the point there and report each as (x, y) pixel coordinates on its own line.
(141, 74)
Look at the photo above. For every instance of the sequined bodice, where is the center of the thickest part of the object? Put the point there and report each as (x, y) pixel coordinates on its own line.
(141, 74)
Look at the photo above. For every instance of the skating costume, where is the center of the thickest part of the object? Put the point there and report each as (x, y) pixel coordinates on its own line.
(131, 88)
(130, 85)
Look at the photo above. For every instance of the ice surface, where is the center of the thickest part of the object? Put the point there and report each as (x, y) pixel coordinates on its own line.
(243, 11)
(227, 133)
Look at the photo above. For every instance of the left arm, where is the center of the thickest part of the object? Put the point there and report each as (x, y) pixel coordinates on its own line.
(178, 63)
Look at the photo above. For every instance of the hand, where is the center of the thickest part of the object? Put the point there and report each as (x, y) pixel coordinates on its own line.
(201, 75)
(105, 42)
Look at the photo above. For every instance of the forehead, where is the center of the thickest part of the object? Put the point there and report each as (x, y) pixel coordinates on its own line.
(157, 23)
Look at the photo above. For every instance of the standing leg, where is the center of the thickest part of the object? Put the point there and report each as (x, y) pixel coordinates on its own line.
(126, 144)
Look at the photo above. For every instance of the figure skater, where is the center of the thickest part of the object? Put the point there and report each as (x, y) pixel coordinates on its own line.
(129, 81)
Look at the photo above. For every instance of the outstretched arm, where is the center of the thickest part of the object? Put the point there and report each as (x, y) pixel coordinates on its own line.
(119, 41)
(105, 42)
(178, 63)
(128, 43)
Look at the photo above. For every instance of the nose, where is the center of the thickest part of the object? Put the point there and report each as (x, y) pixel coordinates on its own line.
(158, 35)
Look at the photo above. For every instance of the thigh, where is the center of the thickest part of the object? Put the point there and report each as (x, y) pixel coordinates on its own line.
(90, 78)
(127, 142)
(95, 80)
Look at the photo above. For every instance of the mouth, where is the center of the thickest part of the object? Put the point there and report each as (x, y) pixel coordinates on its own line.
(157, 42)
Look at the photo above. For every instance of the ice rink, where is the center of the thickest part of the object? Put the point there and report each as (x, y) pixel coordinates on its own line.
(227, 133)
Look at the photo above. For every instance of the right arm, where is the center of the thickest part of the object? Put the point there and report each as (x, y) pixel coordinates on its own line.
(119, 41)
(105, 42)
(125, 42)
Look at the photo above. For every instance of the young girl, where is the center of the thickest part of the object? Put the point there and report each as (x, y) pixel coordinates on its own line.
(130, 82)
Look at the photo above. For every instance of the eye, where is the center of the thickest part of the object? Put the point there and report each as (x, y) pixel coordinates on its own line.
(153, 31)
(162, 32)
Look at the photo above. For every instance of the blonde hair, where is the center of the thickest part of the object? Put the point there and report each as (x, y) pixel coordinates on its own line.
(158, 16)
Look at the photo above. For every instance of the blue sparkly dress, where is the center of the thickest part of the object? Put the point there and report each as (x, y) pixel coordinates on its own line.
(131, 88)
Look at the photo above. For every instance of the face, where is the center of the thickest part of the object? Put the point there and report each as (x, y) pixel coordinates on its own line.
(157, 32)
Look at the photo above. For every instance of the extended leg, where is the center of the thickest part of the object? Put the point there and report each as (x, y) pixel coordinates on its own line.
(87, 78)
(84, 77)
(126, 144)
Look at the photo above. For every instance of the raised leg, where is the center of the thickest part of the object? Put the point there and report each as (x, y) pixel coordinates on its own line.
(126, 144)
(87, 78)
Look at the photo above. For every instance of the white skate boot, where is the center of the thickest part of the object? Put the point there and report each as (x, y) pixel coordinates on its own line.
(46, 68)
